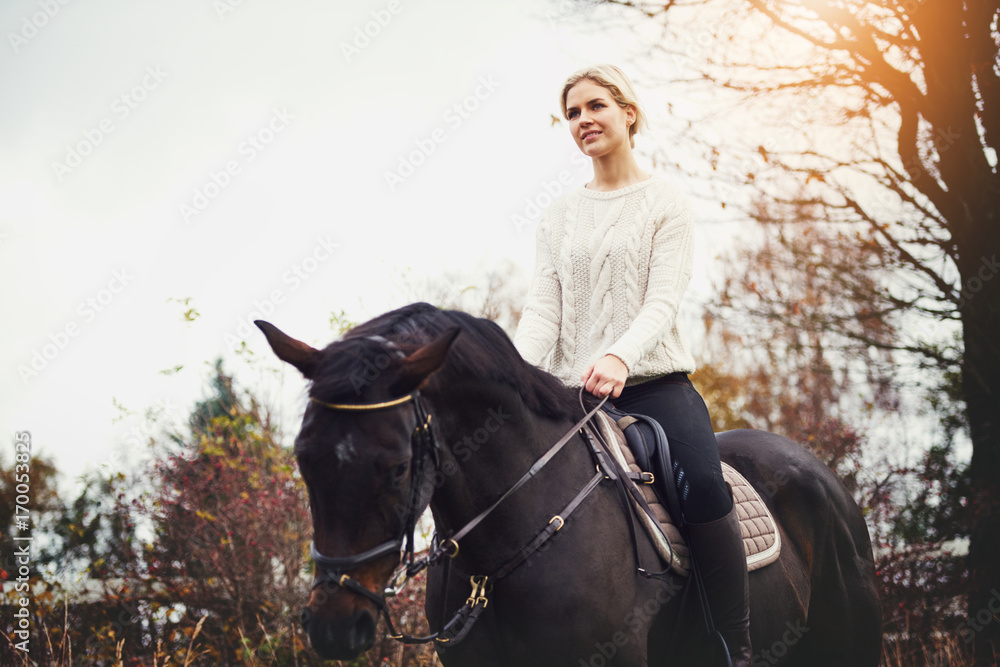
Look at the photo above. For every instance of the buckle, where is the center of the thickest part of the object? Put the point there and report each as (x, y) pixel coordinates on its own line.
(396, 582)
(478, 582)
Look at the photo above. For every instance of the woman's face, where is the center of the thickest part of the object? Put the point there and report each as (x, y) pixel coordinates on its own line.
(598, 125)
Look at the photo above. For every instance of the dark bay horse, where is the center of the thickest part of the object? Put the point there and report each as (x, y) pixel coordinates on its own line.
(419, 374)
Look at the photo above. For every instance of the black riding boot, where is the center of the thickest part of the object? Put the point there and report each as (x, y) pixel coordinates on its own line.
(717, 547)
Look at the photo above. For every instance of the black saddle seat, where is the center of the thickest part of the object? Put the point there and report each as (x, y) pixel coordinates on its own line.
(649, 445)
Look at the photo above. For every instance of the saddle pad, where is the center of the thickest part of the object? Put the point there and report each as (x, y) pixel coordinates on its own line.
(760, 533)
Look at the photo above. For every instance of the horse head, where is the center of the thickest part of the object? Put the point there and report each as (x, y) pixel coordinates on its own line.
(363, 453)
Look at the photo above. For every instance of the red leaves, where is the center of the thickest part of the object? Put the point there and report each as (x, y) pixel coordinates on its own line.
(232, 523)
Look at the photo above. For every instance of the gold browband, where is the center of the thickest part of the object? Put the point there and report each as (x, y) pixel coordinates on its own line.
(363, 406)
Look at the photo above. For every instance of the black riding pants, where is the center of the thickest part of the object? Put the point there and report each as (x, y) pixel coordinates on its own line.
(674, 402)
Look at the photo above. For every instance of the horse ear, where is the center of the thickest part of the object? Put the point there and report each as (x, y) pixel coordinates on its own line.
(288, 349)
(420, 365)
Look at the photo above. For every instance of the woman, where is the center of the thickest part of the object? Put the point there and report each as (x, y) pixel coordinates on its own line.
(613, 260)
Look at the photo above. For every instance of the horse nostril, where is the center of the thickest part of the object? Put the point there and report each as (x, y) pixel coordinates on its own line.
(304, 618)
(364, 631)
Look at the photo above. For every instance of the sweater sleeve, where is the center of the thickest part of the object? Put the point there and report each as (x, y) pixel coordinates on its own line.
(538, 329)
(670, 270)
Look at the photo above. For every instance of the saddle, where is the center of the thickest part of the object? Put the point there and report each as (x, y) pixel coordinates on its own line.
(640, 445)
(648, 444)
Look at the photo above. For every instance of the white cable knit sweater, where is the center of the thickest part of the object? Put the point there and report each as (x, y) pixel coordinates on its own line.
(610, 271)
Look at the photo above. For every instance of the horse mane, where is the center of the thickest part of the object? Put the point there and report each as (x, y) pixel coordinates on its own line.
(482, 351)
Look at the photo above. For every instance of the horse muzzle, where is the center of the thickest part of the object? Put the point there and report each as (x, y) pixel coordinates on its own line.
(340, 638)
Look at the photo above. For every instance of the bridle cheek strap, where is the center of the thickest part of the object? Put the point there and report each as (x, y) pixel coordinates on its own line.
(424, 453)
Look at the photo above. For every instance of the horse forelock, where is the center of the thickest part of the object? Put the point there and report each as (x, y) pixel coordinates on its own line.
(482, 352)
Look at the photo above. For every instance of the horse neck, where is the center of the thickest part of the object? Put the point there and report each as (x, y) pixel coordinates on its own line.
(489, 440)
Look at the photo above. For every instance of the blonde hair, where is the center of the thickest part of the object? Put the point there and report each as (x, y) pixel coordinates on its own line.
(618, 85)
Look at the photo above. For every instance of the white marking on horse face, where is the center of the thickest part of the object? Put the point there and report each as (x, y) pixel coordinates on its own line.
(345, 450)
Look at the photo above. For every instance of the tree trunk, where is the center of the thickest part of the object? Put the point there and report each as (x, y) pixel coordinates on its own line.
(980, 309)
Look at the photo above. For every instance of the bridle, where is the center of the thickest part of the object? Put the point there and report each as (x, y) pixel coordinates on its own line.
(424, 447)
(425, 450)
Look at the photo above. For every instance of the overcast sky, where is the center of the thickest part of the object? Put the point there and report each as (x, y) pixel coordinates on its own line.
(291, 159)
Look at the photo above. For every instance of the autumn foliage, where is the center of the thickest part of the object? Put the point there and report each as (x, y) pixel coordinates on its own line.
(778, 364)
(202, 559)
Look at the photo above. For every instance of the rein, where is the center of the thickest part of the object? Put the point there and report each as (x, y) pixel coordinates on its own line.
(424, 446)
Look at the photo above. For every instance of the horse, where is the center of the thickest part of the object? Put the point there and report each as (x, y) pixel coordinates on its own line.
(423, 406)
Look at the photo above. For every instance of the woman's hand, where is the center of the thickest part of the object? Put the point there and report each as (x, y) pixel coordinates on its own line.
(606, 376)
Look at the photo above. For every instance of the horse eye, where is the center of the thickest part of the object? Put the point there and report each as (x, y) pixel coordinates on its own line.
(398, 473)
